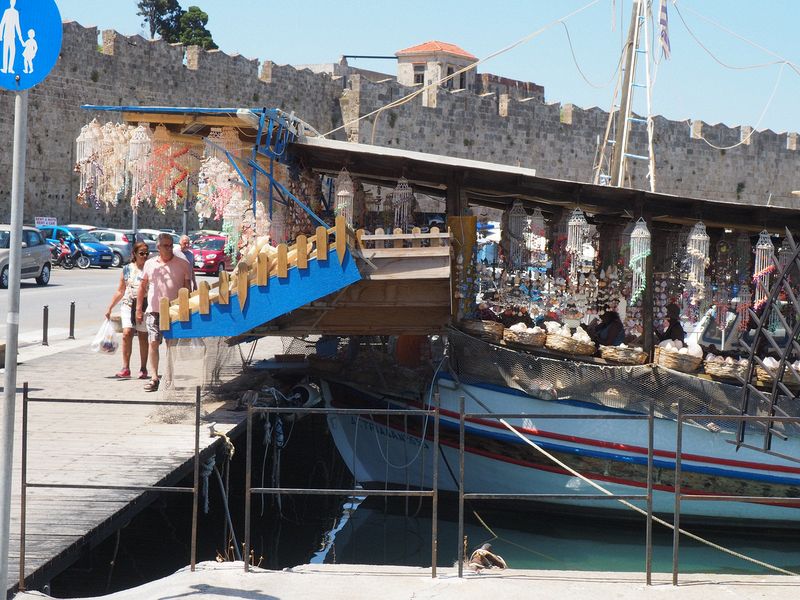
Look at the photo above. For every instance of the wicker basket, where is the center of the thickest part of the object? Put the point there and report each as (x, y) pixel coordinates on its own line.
(791, 379)
(684, 363)
(624, 356)
(568, 345)
(524, 338)
(722, 370)
(491, 331)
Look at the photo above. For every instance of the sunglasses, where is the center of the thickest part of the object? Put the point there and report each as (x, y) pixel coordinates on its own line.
(142, 253)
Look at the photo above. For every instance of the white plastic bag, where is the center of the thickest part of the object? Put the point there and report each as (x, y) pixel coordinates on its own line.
(106, 339)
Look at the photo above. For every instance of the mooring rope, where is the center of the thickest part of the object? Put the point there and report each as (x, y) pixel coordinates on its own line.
(603, 490)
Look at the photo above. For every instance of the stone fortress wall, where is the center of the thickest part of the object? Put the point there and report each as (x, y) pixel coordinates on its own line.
(558, 140)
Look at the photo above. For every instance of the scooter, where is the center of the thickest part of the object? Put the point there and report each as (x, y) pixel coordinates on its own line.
(64, 260)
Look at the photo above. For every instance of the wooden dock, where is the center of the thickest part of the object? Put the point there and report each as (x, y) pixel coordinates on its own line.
(102, 445)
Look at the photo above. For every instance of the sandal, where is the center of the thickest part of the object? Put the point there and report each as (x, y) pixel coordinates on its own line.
(142, 373)
(152, 386)
(123, 374)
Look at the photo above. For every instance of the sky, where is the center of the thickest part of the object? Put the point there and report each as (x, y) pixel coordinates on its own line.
(690, 85)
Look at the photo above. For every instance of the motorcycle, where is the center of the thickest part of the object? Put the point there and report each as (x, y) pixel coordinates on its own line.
(68, 260)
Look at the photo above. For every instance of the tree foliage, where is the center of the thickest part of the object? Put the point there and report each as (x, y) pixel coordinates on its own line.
(168, 20)
(193, 29)
(162, 18)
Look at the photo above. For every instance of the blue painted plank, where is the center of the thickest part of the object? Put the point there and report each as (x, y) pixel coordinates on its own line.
(265, 303)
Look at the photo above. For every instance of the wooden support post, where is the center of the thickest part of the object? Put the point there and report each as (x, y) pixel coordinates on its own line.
(243, 283)
(302, 252)
(163, 314)
(183, 305)
(205, 303)
(322, 243)
(415, 243)
(359, 236)
(435, 241)
(380, 243)
(283, 261)
(341, 237)
(399, 242)
(224, 288)
(262, 269)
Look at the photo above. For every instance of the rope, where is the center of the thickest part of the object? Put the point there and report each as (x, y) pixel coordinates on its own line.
(601, 489)
(760, 118)
(474, 65)
(580, 71)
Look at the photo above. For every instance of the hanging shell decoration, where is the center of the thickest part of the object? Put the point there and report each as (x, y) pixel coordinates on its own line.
(697, 247)
(640, 250)
(344, 197)
(764, 266)
(403, 203)
(517, 218)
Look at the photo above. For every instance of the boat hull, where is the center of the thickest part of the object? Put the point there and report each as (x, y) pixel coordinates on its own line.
(610, 452)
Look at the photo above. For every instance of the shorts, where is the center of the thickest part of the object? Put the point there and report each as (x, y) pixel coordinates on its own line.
(153, 322)
(127, 319)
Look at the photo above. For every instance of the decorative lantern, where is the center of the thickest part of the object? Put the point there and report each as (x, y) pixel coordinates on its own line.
(536, 240)
(697, 249)
(640, 250)
(403, 203)
(344, 197)
(764, 265)
(577, 236)
(516, 226)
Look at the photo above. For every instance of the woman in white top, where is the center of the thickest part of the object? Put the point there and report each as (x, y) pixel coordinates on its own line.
(128, 288)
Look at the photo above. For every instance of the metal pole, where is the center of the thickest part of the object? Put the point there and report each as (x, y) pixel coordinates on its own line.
(23, 487)
(45, 322)
(12, 325)
(72, 320)
(185, 229)
(461, 486)
(676, 535)
(435, 501)
(134, 222)
(649, 525)
(196, 488)
(247, 485)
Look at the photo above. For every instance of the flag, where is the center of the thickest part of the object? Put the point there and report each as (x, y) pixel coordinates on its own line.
(663, 22)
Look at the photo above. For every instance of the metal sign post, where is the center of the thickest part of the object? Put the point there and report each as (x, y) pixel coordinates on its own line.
(30, 42)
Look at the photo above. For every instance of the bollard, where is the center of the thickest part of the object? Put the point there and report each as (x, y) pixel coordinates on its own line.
(72, 320)
(45, 319)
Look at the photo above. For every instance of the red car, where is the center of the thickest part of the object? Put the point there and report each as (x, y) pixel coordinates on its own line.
(209, 255)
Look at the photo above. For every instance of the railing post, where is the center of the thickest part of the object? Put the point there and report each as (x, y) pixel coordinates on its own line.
(461, 486)
(23, 486)
(247, 485)
(72, 320)
(435, 499)
(676, 534)
(45, 323)
(196, 488)
(649, 523)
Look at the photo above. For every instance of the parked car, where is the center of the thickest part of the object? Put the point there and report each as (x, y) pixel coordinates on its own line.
(99, 254)
(209, 255)
(35, 255)
(121, 244)
(152, 234)
(196, 235)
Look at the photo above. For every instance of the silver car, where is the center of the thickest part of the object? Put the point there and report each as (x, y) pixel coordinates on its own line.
(120, 242)
(35, 255)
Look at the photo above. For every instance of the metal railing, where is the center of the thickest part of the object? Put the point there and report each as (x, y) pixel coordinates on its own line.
(431, 493)
(25, 484)
(680, 497)
(648, 497)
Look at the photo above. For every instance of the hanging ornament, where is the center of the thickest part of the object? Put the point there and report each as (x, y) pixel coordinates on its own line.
(577, 235)
(344, 197)
(764, 265)
(743, 300)
(139, 150)
(403, 203)
(697, 251)
(87, 154)
(639, 251)
(517, 218)
(784, 258)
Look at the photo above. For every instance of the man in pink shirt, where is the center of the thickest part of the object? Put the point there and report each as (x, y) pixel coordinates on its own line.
(162, 277)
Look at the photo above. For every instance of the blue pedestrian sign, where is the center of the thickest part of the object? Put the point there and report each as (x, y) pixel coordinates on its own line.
(30, 41)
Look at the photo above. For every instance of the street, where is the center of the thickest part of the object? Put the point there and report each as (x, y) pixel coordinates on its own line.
(91, 290)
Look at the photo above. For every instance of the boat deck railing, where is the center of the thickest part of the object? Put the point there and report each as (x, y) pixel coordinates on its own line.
(432, 493)
(648, 496)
